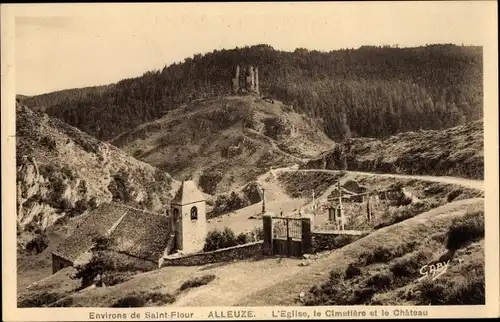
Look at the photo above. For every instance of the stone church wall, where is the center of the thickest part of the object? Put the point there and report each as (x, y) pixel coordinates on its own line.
(220, 255)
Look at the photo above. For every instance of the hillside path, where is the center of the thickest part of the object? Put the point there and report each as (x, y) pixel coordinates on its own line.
(464, 182)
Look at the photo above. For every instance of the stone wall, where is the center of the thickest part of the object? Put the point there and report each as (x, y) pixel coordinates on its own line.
(221, 255)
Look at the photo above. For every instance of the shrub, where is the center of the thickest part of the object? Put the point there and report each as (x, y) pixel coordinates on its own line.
(115, 278)
(40, 299)
(227, 203)
(38, 244)
(325, 242)
(380, 281)
(242, 238)
(99, 265)
(217, 239)
(466, 229)
(159, 298)
(383, 254)
(140, 299)
(130, 301)
(48, 142)
(197, 282)
(362, 295)
(352, 271)
(408, 265)
(406, 212)
(255, 235)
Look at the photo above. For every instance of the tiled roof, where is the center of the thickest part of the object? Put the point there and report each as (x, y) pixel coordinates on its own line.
(142, 234)
(188, 193)
(98, 222)
(136, 232)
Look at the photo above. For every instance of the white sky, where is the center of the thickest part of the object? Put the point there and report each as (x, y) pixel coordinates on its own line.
(77, 45)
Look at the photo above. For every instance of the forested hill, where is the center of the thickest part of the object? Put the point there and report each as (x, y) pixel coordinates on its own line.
(370, 91)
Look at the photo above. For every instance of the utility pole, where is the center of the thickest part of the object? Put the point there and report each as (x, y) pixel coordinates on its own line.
(263, 200)
(313, 204)
(368, 210)
(340, 208)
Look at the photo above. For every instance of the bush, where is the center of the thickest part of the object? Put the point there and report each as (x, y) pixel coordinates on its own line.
(115, 278)
(352, 271)
(48, 142)
(408, 265)
(40, 299)
(99, 265)
(38, 244)
(141, 299)
(383, 254)
(322, 242)
(130, 301)
(441, 292)
(217, 239)
(242, 238)
(466, 229)
(228, 203)
(197, 282)
(256, 234)
(380, 281)
(406, 212)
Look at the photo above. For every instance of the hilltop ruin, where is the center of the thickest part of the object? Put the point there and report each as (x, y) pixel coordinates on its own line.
(247, 83)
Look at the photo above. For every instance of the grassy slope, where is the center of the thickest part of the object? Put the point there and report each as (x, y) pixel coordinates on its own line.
(425, 231)
(281, 281)
(456, 151)
(225, 142)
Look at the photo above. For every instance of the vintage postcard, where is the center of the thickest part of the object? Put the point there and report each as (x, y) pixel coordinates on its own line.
(238, 161)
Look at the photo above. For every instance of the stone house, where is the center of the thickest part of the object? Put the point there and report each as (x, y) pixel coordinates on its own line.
(139, 235)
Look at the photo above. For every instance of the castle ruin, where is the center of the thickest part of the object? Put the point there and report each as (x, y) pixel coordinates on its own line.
(249, 83)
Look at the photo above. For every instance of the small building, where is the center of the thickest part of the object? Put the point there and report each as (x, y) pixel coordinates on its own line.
(138, 234)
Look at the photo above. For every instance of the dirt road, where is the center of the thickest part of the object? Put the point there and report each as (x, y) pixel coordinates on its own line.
(469, 183)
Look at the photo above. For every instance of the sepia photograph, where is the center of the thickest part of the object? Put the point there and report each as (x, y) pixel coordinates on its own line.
(250, 155)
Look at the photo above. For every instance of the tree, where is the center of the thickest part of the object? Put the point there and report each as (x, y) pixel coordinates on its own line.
(99, 265)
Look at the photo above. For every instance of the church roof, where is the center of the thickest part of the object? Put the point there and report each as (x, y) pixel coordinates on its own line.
(98, 222)
(188, 193)
(137, 232)
(142, 234)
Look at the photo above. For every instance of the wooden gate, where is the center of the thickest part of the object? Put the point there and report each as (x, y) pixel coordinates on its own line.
(287, 236)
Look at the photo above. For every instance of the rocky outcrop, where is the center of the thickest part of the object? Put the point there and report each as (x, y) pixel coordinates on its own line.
(63, 172)
(456, 151)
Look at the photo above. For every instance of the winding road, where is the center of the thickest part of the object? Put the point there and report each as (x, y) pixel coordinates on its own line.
(468, 183)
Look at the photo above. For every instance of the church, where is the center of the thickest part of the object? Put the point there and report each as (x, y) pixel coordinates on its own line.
(138, 234)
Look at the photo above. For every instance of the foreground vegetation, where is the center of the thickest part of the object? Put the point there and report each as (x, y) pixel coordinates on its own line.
(387, 274)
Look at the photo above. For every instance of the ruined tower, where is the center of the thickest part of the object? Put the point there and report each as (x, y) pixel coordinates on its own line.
(236, 80)
(250, 79)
